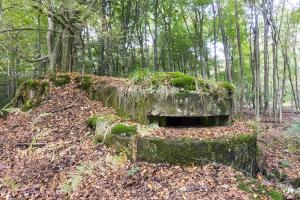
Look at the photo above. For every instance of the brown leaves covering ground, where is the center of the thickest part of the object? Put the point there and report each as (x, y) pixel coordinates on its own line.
(236, 128)
(39, 173)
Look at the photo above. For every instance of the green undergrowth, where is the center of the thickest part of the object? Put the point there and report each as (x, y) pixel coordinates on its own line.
(257, 190)
(124, 130)
(84, 82)
(180, 80)
(93, 120)
(60, 79)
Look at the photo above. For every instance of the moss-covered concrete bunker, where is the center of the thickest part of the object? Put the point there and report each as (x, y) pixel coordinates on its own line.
(238, 151)
(169, 99)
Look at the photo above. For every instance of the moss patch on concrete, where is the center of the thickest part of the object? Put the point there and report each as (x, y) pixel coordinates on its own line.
(181, 81)
(124, 130)
(93, 120)
(238, 151)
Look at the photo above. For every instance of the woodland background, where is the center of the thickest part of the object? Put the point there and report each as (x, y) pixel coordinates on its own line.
(253, 44)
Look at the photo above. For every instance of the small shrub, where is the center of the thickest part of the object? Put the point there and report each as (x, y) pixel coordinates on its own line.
(124, 130)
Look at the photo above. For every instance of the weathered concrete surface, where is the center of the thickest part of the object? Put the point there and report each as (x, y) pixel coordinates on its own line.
(149, 106)
(238, 151)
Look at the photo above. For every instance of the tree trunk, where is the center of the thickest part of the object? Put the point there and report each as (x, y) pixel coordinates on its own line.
(225, 44)
(266, 60)
(155, 48)
(241, 60)
(215, 42)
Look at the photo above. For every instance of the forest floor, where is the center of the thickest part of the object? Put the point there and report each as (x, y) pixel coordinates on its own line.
(48, 153)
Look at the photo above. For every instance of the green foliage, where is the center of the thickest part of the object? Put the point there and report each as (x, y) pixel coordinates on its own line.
(5, 112)
(180, 80)
(28, 105)
(185, 81)
(75, 179)
(124, 130)
(258, 190)
(228, 86)
(275, 195)
(140, 75)
(33, 84)
(133, 171)
(60, 79)
(284, 163)
(85, 82)
(93, 120)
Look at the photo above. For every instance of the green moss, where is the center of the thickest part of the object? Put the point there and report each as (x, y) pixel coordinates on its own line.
(33, 84)
(93, 120)
(257, 190)
(228, 86)
(180, 80)
(85, 82)
(124, 130)
(60, 80)
(176, 79)
(239, 152)
(186, 82)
